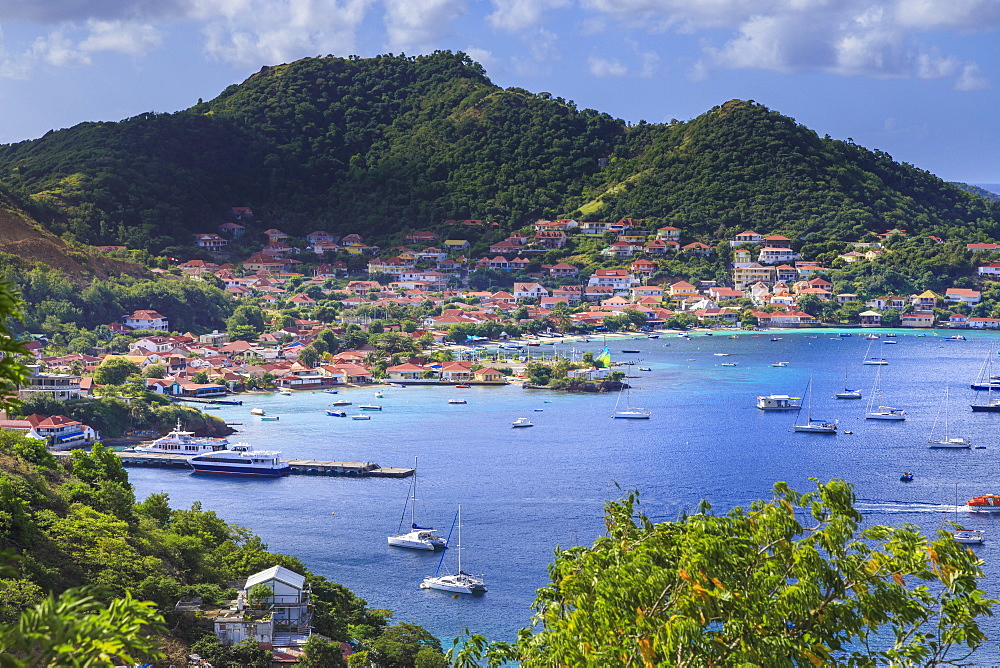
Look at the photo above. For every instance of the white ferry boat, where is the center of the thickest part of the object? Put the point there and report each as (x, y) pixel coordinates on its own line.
(179, 442)
(241, 459)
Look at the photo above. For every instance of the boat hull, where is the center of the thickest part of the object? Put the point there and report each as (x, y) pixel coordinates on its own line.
(241, 470)
(848, 395)
(414, 543)
(631, 416)
(808, 429)
(986, 408)
(949, 446)
(885, 416)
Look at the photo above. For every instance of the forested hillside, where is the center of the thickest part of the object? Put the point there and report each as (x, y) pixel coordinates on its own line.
(383, 144)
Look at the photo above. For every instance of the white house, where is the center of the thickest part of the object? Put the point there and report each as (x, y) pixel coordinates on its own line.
(530, 290)
(146, 319)
(281, 616)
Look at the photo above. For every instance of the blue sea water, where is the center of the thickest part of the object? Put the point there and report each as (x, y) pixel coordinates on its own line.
(525, 491)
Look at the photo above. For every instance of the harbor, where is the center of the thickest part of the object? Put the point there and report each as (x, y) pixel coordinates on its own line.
(525, 491)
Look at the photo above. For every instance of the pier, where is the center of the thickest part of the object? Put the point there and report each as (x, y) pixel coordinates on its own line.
(298, 466)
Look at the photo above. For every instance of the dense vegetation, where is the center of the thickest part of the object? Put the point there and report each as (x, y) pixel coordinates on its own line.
(787, 582)
(383, 144)
(78, 316)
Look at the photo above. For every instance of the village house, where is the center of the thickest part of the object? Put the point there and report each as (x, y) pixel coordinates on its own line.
(870, 318)
(668, 234)
(917, 319)
(643, 268)
(984, 323)
(196, 268)
(233, 230)
(59, 386)
(620, 280)
(551, 239)
(560, 270)
(682, 290)
(530, 291)
(698, 248)
(211, 242)
(658, 247)
(777, 249)
(599, 228)
(275, 236)
(742, 257)
(746, 237)
(961, 296)
(982, 247)
(278, 618)
(453, 245)
(421, 237)
(146, 319)
(60, 432)
(722, 293)
(752, 273)
(989, 269)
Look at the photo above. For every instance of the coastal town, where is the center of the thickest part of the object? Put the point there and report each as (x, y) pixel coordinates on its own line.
(397, 315)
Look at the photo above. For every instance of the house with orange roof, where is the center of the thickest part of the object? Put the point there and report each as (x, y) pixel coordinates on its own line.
(746, 237)
(146, 319)
(211, 242)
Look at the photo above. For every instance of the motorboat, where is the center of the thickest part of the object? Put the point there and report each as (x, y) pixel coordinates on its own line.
(876, 361)
(906, 477)
(269, 418)
(361, 417)
(890, 342)
(955, 337)
(241, 459)
(285, 393)
(631, 351)
(369, 407)
(780, 364)
(728, 364)
(457, 401)
(183, 442)
(331, 391)
(779, 402)
(521, 422)
(463, 386)
(885, 413)
(459, 582)
(337, 413)
(257, 411)
(418, 537)
(988, 503)
(341, 402)
(645, 368)
(872, 337)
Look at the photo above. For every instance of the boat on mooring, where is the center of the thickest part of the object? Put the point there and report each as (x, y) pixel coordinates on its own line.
(241, 459)
(779, 402)
(459, 582)
(418, 537)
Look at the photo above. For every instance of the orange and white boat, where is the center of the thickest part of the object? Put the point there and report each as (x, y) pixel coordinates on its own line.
(989, 503)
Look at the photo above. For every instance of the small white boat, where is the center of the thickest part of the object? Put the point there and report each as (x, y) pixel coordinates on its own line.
(876, 361)
(460, 582)
(337, 413)
(378, 395)
(949, 441)
(779, 402)
(848, 394)
(812, 425)
(969, 536)
(256, 411)
(285, 393)
(269, 418)
(873, 337)
(331, 391)
(956, 337)
(644, 368)
(361, 417)
(369, 407)
(890, 342)
(780, 364)
(457, 401)
(418, 537)
(720, 354)
(728, 364)
(521, 422)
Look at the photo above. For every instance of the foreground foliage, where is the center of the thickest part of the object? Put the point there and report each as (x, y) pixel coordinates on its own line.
(786, 582)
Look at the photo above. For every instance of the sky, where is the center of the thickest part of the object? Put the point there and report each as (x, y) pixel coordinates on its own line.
(918, 79)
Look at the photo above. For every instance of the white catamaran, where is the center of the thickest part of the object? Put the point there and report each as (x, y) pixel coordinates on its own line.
(418, 537)
(460, 582)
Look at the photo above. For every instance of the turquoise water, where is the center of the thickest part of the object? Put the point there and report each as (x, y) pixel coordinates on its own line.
(525, 491)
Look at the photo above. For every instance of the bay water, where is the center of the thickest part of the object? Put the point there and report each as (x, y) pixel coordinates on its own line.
(526, 491)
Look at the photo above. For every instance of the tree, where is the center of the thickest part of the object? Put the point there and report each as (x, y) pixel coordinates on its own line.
(200, 378)
(322, 653)
(399, 646)
(788, 581)
(154, 371)
(115, 371)
(891, 318)
(308, 356)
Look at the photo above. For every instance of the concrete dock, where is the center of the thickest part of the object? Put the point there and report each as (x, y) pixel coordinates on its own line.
(298, 466)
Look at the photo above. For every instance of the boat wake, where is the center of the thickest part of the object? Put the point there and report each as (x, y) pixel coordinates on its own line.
(908, 507)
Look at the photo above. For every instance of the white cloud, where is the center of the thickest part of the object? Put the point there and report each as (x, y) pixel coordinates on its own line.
(872, 38)
(514, 15)
(606, 68)
(417, 24)
(482, 56)
(58, 50)
(971, 79)
(129, 38)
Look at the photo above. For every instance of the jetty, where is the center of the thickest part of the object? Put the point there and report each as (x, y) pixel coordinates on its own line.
(298, 466)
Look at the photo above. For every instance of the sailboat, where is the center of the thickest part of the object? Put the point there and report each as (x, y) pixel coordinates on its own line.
(948, 441)
(962, 535)
(812, 425)
(848, 393)
(460, 582)
(881, 412)
(418, 537)
(878, 361)
(991, 405)
(629, 412)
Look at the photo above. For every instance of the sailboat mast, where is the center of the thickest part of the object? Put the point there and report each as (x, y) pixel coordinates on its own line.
(459, 546)
(413, 500)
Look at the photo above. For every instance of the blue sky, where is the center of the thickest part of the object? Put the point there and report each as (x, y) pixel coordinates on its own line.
(918, 79)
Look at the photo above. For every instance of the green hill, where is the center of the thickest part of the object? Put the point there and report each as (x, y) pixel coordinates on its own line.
(384, 144)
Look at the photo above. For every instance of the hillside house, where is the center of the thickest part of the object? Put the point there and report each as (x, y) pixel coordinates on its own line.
(530, 291)
(698, 248)
(146, 319)
(281, 619)
(560, 270)
(746, 237)
(870, 318)
(211, 242)
(643, 268)
(60, 386)
(658, 247)
(989, 269)
(961, 296)
(275, 236)
(668, 234)
(421, 237)
(982, 247)
(551, 239)
(682, 290)
(231, 229)
(752, 273)
(241, 213)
